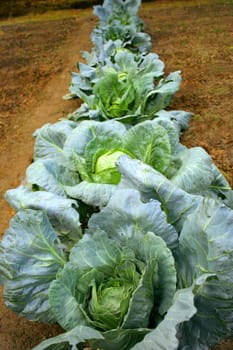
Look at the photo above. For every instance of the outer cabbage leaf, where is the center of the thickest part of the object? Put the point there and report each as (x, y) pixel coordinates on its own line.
(62, 212)
(126, 216)
(93, 194)
(150, 63)
(149, 143)
(183, 191)
(181, 118)
(30, 256)
(50, 140)
(172, 131)
(221, 186)
(75, 336)
(120, 338)
(80, 82)
(165, 335)
(206, 248)
(160, 97)
(48, 175)
(83, 81)
(195, 173)
(176, 203)
(103, 52)
(228, 198)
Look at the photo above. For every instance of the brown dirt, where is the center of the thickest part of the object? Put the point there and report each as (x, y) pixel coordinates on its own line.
(37, 56)
(12, 8)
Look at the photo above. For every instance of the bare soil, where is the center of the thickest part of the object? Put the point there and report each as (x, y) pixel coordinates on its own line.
(12, 8)
(39, 52)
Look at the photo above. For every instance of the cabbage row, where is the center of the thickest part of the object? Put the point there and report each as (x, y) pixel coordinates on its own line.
(122, 235)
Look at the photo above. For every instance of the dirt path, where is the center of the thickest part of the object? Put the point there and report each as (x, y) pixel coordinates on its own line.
(36, 60)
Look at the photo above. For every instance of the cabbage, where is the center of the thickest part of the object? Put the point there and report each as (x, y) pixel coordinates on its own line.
(128, 88)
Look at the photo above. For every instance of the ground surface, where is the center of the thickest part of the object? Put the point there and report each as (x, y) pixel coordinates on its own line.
(37, 55)
(12, 8)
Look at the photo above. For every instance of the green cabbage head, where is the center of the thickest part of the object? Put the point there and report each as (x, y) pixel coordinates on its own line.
(110, 300)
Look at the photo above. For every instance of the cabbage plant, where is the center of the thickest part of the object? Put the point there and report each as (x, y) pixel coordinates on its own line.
(125, 11)
(117, 30)
(129, 89)
(142, 277)
(131, 38)
(92, 149)
(118, 20)
(117, 286)
(83, 165)
(77, 160)
(111, 55)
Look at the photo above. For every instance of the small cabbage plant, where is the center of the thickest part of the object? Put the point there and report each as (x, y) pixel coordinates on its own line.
(111, 55)
(131, 38)
(118, 20)
(129, 89)
(125, 11)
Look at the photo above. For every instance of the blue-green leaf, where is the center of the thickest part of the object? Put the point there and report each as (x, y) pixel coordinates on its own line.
(150, 143)
(176, 203)
(30, 257)
(120, 339)
(75, 336)
(126, 216)
(62, 212)
(51, 176)
(206, 248)
(50, 140)
(164, 336)
(195, 174)
(95, 194)
(181, 118)
(149, 249)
